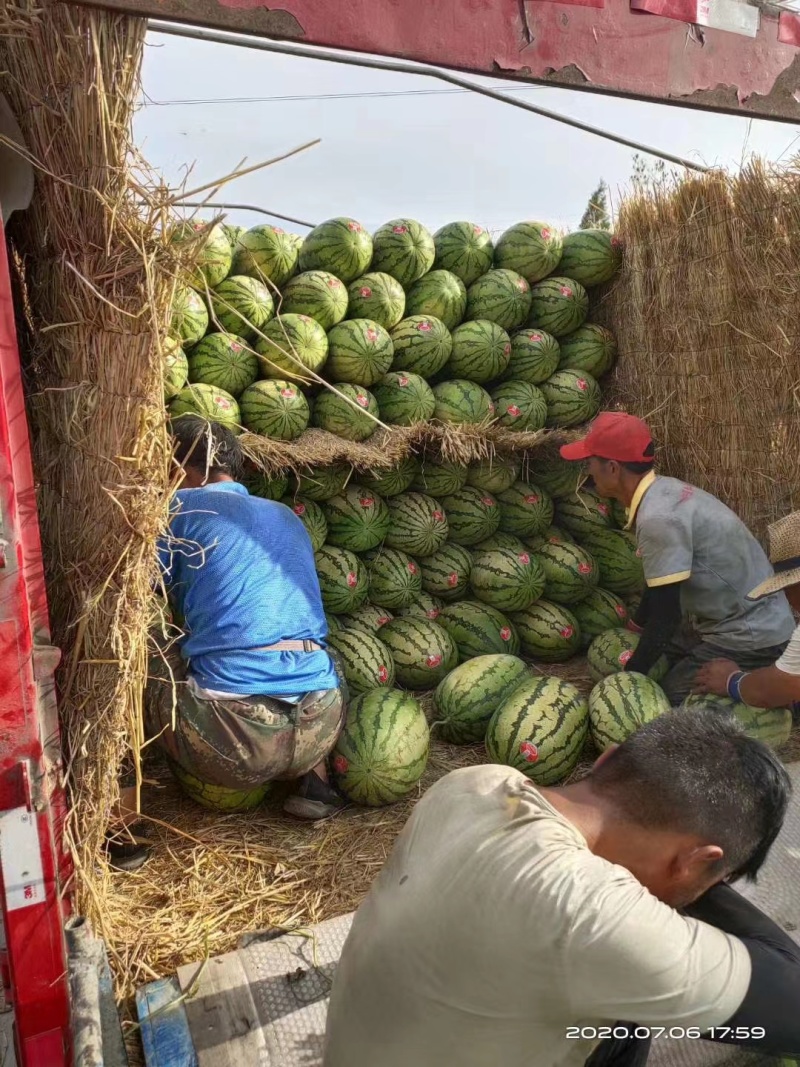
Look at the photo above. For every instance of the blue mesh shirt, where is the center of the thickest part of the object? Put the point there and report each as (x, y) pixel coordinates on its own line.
(240, 570)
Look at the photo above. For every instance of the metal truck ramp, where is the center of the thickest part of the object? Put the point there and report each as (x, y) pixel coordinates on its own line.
(265, 1004)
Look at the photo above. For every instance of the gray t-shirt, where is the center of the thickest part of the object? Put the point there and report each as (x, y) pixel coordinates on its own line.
(685, 534)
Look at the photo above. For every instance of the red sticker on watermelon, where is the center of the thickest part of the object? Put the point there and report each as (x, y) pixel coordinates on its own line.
(412, 567)
(534, 337)
(438, 516)
(433, 661)
(355, 227)
(399, 229)
(603, 509)
(567, 632)
(507, 350)
(452, 579)
(522, 285)
(352, 579)
(340, 764)
(524, 558)
(372, 335)
(333, 283)
(582, 384)
(287, 393)
(638, 553)
(383, 674)
(545, 234)
(477, 230)
(424, 326)
(488, 501)
(432, 613)
(366, 501)
(505, 633)
(383, 619)
(277, 229)
(236, 347)
(362, 400)
(565, 290)
(221, 402)
(402, 382)
(299, 509)
(625, 656)
(529, 751)
(584, 568)
(620, 610)
(365, 291)
(513, 410)
(616, 242)
(531, 498)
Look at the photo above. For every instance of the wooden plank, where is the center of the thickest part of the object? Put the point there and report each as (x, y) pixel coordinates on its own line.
(164, 1027)
(222, 1015)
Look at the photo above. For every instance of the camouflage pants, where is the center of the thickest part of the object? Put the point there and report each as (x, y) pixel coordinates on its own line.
(242, 743)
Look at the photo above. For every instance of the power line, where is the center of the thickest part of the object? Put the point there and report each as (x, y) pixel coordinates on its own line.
(150, 102)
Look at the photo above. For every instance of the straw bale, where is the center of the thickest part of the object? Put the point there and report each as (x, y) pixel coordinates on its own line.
(705, 312)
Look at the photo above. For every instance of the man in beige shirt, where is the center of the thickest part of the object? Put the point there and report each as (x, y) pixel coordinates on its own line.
(514, 926)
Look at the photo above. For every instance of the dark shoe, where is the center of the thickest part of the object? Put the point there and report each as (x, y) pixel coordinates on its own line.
(313, 799)
(127, 850)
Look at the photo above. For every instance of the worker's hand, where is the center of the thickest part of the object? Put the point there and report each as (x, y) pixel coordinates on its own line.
(713, 677)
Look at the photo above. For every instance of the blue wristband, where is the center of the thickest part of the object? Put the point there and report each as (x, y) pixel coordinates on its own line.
(734, 682)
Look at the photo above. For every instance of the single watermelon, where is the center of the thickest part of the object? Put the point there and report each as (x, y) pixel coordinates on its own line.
(570, 572)
(369, 618)
(583, 512)
(558, 305)
(417, 524)
(540, 729)
(591, 349)
(466, 699)
(360, 351)
(318, 294)
(292, 346)
(591, 257)
(268, 487)
(274, 409)
(464, 249)
(233, 233)
(218, 797)
(548, 632)
(367, 662)
(378, 297)
(394, 480)
(208, 249)
(572, 397)
(462, 402)
(340, 414)
(773, 726)
(323, 482)
(438, 293)
(224, 361)
(343, 579)
(424, 607)
(445, 573)
(506, 579)
(340, 246)
(394, 578)
(532, 249)
(422, 345)
(479, 630)
(617, 558)
(216, 405)
(357, 519)
(382, 751)
(501, 296)
(423, 652)
(242, 306)
(439, 479)
(525, 509)
(404, 249)
(312, 517)
(500, 540)
(189, 316)
(266, 253)
(519, 406)
(176, 368)
(404, 398)
(534, 357)
(493, 474)
(472, 515)
(481, 351)
(611, 651)
(601, 610)
(557, 476)
(620, 704)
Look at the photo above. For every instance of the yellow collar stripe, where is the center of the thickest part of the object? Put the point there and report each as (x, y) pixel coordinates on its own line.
(641, 489)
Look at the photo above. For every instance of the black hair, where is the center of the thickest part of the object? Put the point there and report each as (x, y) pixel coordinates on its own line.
(206, 446)
(696, 771)
(643, 467)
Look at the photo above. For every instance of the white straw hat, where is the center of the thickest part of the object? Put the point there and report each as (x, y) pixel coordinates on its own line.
(784, 555)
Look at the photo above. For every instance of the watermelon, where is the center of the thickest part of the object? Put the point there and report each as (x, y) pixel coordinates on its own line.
(394, 578)
(377, 297)
(481, 351)
(218, 797)
(620, 704)
(532, 249)
(591, 349)
(591, 257)
(334, 626)
(478, 629)
(558, 305)
(464, 249)
(213, 404)
(598, 612)
(176, 368)
(572, 397)
(466, 699)
(318, 294)
(422, 651)
(343, 579)
(583, 512)
(424, 607)
(404, 398)
(359, 351)
(534, 357)
(570, 573)
(382, 751)
(208, 249)
(501, 296)
(393, 481)
(241, 306)
(615, 554)
(291, 346)
(438, 293)
(551, 536)
(472, 515)
(540, 729)
(274, 409)
(340, 246)
(525, 509)
(266, 253)
(493, 474)
(462, 402)
(519, 406)
(610, 652)
(323, 482)
(547, 631)
(445, 574)
(619, 513)
(189, 316)
(422, 345)
(505, 579)
(500, 540)
(439, 479)
(773, 726)
(357, 519)
(559, 477)
(404, 249)
(312, 517)
(233, 233)
(418, 524)
(366, 661)
(369, 618)
(267, 487)
(340, 414)
(224, 361)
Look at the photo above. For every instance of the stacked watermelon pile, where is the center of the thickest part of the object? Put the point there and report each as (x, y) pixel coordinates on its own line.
(404, 325)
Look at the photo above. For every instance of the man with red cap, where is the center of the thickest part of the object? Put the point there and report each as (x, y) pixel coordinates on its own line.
(700, 562)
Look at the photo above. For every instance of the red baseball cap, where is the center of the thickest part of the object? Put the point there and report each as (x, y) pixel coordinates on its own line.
(614, 435)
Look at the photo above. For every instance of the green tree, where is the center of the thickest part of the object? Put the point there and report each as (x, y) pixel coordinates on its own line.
(596, 216)
(648, 171)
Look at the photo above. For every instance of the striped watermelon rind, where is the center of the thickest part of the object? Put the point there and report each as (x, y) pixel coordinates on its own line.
(535, 356)
(311, 516)
(547, 632)
(570, 572)
(616, 556)
(472, 515)
(340, 246)
(591, 257)
(572, 397)
(216, 405)
(266, 253)
(620, 704)
(540, 729)
(481, 351)
(601, 610)
(445, 574)
(417, 524)
(422, 345)
(423, 652)
(189, 316)
(348, 415)
(611, 650)
(466, 699)
(357, 519)
(378, 297)
(501, 296)
(519, 406)
(394, 578)
(558, 306)
(176, 368)
(241, 305)
(209, 251)
(464, 249)
(500, 540)
(360, 352)
(323, 482)
(404, 249)
(461, 402)
(268, 487)
(393, 481)
(424, 607)
(318, 294)
(493, 474)
(274, 409)
(506, 579)
(438, 293)
(773, 726)
(366, 660)
(583, 512)
(382, 751)
(591, 349)
(343, 579)
(369, 618)
(479, 630)
(291, 346)
(558, 477)
(439, 479)
(404, 398)
(525, 509)
(532, 249)
(223, 361)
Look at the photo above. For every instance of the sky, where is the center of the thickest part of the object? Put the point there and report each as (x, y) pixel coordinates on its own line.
(430, 155)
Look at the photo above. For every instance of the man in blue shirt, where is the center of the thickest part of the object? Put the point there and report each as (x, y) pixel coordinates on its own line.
(247, 694)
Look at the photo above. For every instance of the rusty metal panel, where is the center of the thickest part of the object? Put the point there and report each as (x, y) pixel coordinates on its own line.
(675, 56)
